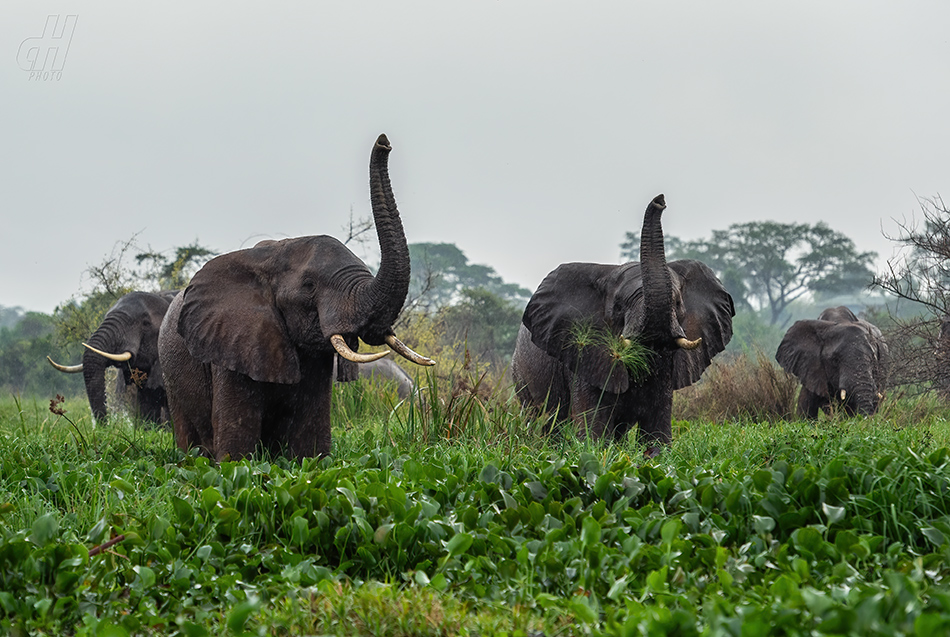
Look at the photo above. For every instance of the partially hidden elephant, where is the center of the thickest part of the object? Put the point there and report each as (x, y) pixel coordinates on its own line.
(127, 339)
(838, 358)
(680, 311)
(247, 348)
(383, 370)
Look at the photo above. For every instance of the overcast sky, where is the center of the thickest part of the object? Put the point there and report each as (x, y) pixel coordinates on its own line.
(527, 133)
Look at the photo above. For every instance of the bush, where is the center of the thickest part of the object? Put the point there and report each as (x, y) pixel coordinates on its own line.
(739, 387)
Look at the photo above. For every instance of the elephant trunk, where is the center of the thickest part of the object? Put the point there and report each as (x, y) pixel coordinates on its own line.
(106, 338)
(383, 298)
(657, 280)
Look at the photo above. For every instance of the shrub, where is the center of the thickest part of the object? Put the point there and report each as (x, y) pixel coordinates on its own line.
(743, 386)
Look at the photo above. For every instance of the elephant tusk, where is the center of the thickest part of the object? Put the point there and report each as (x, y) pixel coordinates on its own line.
(119, 358)
(68, 369)
(400, 348)
(344, 350)
(844, 394)
(880, 396)
(688, 344)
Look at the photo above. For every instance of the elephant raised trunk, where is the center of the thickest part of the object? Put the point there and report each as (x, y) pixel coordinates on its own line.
(382, 299)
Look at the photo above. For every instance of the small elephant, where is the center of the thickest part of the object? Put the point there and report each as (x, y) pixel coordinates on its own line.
(248, 347)
(383, 369)
(838, 358)
(127, 339)
(680, 311)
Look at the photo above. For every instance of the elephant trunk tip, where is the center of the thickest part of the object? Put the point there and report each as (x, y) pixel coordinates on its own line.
(659, 201)
(383, 142)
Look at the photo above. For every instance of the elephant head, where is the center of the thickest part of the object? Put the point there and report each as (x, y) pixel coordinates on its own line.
(126, 339)
(679, 311)
(248, 347)
(837, 358)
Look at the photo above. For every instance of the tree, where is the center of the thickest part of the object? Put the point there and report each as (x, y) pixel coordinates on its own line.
(441, 272)
(112, 278)
(919, 276)
(767, 265)
(486, 322)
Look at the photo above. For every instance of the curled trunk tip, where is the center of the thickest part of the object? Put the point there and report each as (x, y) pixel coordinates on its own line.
(383, 142)
(659, 201)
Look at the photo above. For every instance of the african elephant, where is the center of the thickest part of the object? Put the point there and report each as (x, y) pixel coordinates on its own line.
(247, 348)
(126, 339)
(837, 358)
(679, 311)
(385, 370)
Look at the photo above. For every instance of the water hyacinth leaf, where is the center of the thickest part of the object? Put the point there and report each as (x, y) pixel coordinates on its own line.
(146, 576)
(241, 611)
(590, 532)
(934, 535)
(45, 529)
(833, 514)
(537, 489)
(763, 524)
(210, 498)
(183, 511)
(97, 533)
(618, 588)
(670, 530)
(459, 543)
(122, 486)
(381, 533)
(583, 611)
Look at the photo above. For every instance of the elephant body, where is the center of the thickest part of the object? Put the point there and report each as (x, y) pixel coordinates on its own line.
(838, 358)
(679, 311)
(129, 328)
(248, 347)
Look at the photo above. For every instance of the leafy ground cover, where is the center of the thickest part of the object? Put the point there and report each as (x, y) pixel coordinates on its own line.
(461, 518)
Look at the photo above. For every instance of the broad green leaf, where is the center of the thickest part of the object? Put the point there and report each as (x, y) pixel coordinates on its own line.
(45, 528)
(459, 543)
(832, 513)
(241, 611)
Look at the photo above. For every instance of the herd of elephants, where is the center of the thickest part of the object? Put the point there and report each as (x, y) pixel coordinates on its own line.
(246, 355)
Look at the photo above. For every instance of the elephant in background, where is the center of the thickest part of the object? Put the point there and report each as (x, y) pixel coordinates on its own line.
(248, 347)
(680, 311)
(384, 370)
(838, 358)
(127, 339)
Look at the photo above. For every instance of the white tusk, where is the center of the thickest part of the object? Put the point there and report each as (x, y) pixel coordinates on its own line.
(119, 358)
(68, 369)
(400, 348)
(344, 350)
(844, 394)
(688, 344)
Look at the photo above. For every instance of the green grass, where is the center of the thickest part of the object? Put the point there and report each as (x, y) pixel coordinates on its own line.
(439, 515)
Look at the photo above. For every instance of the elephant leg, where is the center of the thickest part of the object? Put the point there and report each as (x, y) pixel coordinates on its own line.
(591, 410)
(236, 415)
(307, 430)
(151, 402)
(655, 408)
(810, 403)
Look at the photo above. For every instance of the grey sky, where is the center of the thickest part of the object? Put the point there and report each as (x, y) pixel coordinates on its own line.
(527, 133)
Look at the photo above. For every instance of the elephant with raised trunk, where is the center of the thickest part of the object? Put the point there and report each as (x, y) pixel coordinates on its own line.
(127, 339)
(678, 311)
(839, 359)
(247, 348)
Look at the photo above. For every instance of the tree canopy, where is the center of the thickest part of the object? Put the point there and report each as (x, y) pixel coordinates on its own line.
(441, 272)
(769, 265)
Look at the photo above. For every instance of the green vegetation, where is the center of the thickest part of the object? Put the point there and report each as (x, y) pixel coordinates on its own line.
(440, 517)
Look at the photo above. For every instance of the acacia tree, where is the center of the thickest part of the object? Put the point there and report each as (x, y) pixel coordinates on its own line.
(769, 265)
(918, 326)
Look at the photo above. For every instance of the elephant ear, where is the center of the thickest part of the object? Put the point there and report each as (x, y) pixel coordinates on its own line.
(228, 318)
(572, 297)
(800, 354)
(708, 310)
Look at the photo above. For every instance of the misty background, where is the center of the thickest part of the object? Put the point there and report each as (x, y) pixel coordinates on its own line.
(528, 134)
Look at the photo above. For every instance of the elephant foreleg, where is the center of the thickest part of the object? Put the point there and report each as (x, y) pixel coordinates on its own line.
(236, 415)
